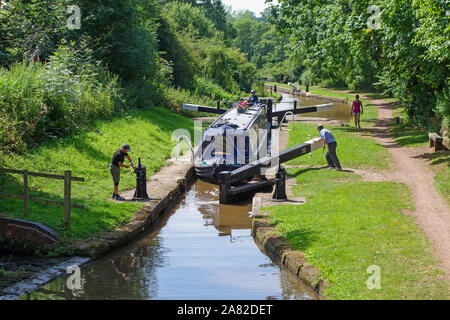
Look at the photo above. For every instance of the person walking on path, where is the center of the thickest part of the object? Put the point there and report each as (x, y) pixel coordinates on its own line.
(330, 142)
(114, 168)
(357, 110)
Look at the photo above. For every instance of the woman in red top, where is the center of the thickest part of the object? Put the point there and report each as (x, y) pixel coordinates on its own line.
(357, 110)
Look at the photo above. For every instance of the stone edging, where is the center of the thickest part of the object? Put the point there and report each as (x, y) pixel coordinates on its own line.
(18, 289)
(170, 190)
(276, 247)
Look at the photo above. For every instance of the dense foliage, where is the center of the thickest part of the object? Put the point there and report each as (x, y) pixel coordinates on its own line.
(264, 46)
(59, 73)
(402, 48)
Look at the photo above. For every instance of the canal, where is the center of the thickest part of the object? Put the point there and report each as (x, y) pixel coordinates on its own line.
(340, 111)
(202, 250)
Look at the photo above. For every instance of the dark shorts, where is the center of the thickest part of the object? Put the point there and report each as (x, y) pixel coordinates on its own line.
(115, 172)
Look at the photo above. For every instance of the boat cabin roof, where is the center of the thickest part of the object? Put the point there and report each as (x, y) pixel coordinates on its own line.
(238, 120)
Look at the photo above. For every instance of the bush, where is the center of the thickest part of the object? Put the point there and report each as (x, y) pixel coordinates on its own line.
(307, 77)
(175, 97)
(39, 101)
(207, 88)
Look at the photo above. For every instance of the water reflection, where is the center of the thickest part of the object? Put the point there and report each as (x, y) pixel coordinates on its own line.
(341, 111)
(203, 251)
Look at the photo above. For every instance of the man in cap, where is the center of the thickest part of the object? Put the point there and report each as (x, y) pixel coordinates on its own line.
(253, 98)
(330, 142)
(114, 168)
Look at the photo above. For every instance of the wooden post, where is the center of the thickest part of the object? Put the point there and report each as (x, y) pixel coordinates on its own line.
(218, 104)
(295, 104)
(271, 88)
(67, 195)
(25, 193)
(224, 180)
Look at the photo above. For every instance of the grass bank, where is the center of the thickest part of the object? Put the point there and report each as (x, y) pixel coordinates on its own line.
(404, 132)
(88, 155)
(348, 225)
(440, 164)
(355, 148)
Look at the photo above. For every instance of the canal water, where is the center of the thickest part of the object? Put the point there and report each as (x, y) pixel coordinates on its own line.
(202, 250)
(341, 111)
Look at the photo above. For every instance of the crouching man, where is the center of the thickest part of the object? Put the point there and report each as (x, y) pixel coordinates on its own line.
(330, 142)
(114, 168)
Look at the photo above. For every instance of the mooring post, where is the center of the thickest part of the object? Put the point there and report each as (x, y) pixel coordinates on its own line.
(280, 187)
(225, 183)
(269, 112)
(218, 104)
(25, 193)
(141, 182)
(275, 88)
(67, 195)
(307, 88)
(295, 104)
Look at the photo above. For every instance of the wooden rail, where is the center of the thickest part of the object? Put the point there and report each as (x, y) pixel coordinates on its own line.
(67, 203)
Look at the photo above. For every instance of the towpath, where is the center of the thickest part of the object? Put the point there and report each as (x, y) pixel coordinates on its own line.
(431, 211)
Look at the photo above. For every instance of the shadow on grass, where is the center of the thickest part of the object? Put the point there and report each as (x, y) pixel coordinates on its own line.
(352, 130)
(436, 158)
(304, 170)
(411, 139)
(84, 148)
(301, 239)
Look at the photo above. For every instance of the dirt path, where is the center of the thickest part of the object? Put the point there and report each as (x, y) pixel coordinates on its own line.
(430, 209)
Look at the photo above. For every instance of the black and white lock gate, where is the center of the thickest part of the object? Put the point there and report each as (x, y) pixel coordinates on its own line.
(227, 179)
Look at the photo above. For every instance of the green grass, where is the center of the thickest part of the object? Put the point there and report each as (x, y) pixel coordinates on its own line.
(405, 133)
(88, 155)
(442, 182)
(440, 163)
(275, 95)
(356, 149)
(348, 225)
(279, 84)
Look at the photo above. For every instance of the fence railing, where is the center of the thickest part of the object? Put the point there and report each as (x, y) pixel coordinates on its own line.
(67, 203)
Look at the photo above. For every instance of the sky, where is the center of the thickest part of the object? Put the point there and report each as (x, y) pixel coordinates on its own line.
(253, 5)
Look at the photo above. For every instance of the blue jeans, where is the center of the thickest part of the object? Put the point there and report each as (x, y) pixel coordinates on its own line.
(331, 156)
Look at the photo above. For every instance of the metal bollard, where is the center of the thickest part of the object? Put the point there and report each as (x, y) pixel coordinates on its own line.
(141, 182)
(280, 187)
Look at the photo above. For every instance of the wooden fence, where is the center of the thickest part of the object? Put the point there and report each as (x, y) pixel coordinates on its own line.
(67, 203)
